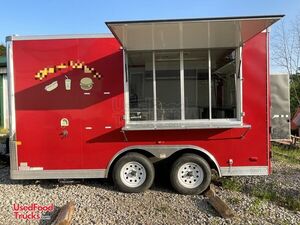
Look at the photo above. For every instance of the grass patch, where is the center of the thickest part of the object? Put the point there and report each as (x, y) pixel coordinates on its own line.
(286, 155)
(267, 191)
(255, 208)
(3, 131)
(231, 183)
(234, 200)
(263, 192)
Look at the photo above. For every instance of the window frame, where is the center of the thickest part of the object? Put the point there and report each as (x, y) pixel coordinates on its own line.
(185, 123)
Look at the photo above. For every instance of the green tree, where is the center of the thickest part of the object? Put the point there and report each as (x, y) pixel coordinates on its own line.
(294, 87)
(286, 55)
(2, 50)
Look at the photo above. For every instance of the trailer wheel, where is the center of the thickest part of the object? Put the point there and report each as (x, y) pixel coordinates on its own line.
(190, 174)
(133, 173)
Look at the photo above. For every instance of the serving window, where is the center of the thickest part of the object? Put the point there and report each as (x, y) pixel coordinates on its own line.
(141, 101)
(185, 73)
(223, 83)
(167, 77)
(183, 86)
(196, 84)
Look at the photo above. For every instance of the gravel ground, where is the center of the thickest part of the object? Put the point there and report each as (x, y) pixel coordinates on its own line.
(97, 202)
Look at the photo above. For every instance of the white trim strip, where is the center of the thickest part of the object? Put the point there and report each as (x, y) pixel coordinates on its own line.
(57, 174)
(244, 170)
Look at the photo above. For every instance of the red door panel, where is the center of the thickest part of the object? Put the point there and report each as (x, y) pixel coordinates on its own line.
(41, 69)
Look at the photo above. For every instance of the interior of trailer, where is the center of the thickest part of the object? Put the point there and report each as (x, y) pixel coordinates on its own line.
(196, 84)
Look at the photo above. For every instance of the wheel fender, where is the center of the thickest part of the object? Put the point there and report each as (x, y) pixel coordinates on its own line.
(162, 152)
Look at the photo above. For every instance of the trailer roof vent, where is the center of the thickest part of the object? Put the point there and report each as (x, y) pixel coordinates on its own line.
(189, 33)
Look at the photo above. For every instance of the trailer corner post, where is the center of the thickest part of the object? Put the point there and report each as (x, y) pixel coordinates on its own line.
(126, 82)
(11, 102)
(240, 94)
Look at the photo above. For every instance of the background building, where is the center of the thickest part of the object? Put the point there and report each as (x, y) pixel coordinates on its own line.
(3, 95)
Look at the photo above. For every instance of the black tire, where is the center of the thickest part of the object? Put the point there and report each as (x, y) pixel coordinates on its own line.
(148, 171)
(206, 172)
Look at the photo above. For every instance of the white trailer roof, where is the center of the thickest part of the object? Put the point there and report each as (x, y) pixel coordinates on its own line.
(189, 33)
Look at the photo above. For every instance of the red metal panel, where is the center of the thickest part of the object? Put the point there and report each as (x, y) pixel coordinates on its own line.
(96, 118)
(38, 112)
(256, 95)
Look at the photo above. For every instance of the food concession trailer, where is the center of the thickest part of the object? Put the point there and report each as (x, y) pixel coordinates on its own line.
(191, 92)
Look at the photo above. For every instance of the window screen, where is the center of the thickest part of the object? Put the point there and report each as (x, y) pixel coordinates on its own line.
(223, 89)
(167, 69)
(157, 80)
(140, 74)
(196, 91)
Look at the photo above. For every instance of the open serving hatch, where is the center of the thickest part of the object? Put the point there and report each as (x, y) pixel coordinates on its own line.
(189, 33)
(190, 58)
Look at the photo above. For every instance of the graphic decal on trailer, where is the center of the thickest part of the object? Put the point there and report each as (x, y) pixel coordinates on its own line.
(86, 83)
(71, 64)
(67, 83)
(51, 86)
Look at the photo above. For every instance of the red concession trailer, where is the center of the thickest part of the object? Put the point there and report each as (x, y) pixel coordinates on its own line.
(191, 92)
